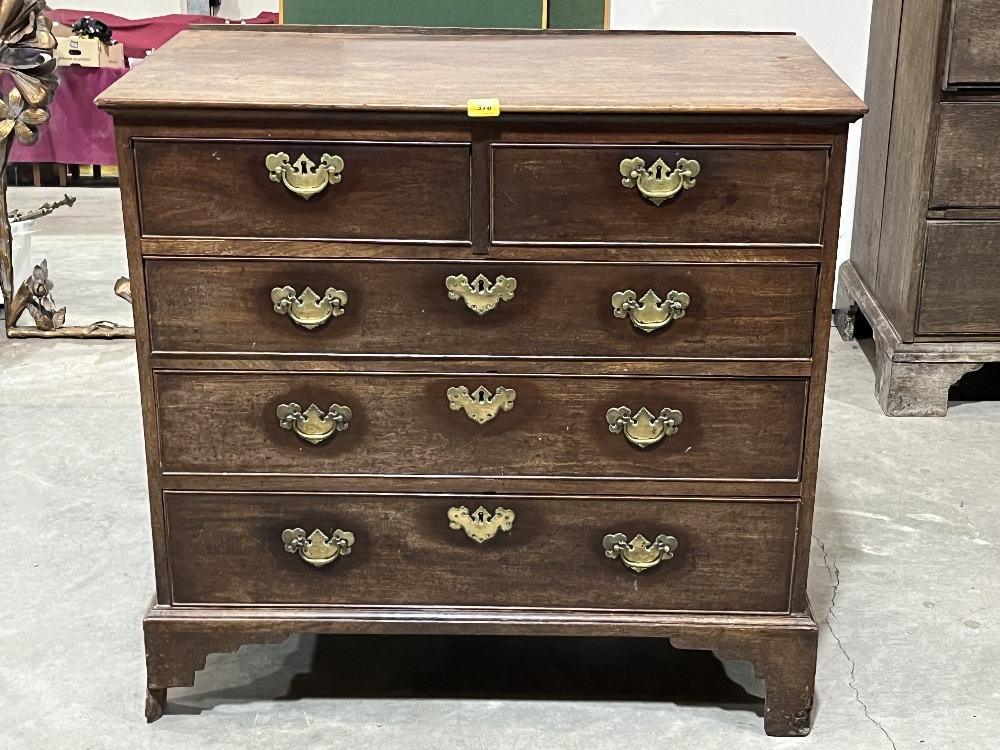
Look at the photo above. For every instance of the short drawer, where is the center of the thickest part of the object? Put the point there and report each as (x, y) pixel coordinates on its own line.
(551, 553)
(576, 194)
(233, 188)
(961, 281)
(967, 162)
(517, 309)
(974, 49)
(518, 426)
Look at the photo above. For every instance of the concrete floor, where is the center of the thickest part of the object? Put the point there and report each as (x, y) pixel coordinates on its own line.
(903, 579)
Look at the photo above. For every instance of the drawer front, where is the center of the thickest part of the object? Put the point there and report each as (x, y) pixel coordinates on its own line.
(961, 282)
(223, 188)
(967, 164)
(974, 53)
(740, 195)
(551, 426)
(549, 310)
(727, 556)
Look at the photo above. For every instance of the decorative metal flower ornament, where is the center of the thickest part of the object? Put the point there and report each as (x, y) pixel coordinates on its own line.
(27, 84)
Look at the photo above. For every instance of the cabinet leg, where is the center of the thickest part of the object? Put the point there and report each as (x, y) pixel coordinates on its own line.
(915, 389)
(789, 684)
(784, 657)
(156, 701)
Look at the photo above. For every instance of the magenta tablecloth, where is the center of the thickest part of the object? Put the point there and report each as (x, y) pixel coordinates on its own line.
(78, 132)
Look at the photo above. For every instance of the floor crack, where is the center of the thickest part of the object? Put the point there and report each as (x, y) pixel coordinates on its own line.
(834, 572)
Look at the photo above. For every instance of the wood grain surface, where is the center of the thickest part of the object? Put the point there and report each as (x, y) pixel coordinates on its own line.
(400, 308)
(975, 43)
(403, 425)
(222, 188)
(576, 195)
(967, 162)
(528, 72)
(731, 556)
(961, 278)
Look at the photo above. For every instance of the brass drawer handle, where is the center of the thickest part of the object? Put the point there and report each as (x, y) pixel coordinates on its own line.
(302, 176)
(480, 405)
(318, 549)
(650, 313)
(480, 525)
(644, 430)
(308, 309)
(640, 554)
(659, 182)
(480, 294)
(312, 424)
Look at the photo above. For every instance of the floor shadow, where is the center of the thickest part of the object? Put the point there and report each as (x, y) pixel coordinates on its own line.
(494, 668)
(516, 668)
(981, 385)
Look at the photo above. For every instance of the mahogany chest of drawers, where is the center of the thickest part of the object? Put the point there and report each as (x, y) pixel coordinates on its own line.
(557, 371)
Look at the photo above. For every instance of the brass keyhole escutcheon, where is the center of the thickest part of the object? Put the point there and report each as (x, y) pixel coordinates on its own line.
(659, 182)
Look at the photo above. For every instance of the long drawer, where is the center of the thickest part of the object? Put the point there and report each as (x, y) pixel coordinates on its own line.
(239, 188)
(575, 194)
(473, 309)
(701, 555)
(424, 425)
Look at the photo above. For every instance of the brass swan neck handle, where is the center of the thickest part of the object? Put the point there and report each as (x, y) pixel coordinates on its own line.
(643, 429)
(650, 313)
(313, 424)
(317, 548)
(640, 554)
(308, 309)
(302, 176)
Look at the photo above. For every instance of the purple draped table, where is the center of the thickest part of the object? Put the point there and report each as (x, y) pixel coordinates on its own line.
(78, 132)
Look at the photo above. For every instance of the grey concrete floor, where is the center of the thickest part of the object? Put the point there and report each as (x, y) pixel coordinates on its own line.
(903, 581)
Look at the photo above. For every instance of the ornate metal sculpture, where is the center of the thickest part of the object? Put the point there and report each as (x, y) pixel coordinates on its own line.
(27, 84)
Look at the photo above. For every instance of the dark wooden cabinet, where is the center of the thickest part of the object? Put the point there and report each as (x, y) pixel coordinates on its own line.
(925, 261)
(559, 371)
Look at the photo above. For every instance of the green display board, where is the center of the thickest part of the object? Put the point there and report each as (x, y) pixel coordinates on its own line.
(488, 14)
(577, 14)
(485, 14)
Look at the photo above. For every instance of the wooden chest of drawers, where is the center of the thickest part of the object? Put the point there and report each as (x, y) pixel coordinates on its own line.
(925, 260)
(555, 372)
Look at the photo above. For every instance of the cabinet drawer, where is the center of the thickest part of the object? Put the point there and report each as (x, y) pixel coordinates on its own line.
(740, 195)
(413, 425)
(967, 163)
(223, 188)
(961, 282)
(974, 50)
(728, 556)
(399, 308)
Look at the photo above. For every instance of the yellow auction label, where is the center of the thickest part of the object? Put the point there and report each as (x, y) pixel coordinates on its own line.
(484, 107)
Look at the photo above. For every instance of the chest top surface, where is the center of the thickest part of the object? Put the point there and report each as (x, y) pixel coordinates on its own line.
(529, 72)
